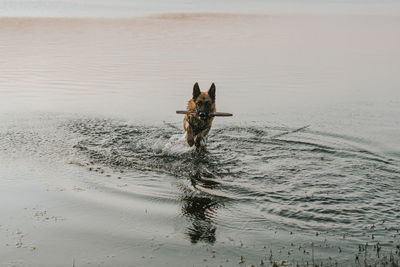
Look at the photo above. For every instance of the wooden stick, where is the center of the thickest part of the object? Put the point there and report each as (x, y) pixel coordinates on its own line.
(215, 114)
(221, 114)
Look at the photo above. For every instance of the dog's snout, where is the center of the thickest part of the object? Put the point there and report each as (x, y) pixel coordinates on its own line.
(202, 114)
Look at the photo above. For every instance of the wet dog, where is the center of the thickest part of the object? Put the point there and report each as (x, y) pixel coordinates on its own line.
(198, 123)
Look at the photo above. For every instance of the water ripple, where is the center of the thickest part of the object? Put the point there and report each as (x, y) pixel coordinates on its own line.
(289, 180)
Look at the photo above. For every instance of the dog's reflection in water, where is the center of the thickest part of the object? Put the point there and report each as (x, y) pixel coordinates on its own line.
(200, 212)
(201, 208)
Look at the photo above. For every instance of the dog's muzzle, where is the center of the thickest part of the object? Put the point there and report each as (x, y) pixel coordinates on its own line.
(203, 115)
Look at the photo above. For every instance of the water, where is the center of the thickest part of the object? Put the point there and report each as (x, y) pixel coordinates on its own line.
(94, 169)
(126, 8)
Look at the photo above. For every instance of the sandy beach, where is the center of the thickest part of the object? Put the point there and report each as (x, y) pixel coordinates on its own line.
(93, 171)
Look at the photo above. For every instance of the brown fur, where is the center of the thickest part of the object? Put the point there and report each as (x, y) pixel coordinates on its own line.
(195, 127)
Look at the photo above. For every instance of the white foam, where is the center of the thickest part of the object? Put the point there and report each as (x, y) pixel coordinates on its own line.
(175, 145)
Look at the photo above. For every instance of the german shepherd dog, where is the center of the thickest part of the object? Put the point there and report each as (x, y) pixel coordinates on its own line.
(198, 123)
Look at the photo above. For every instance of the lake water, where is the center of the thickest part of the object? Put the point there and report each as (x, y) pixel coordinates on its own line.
(94, 170)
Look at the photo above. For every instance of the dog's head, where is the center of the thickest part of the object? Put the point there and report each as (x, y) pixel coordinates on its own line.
(204, 101)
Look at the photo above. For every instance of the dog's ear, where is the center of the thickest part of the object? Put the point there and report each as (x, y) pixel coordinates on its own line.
(196, 91)
(211, 92)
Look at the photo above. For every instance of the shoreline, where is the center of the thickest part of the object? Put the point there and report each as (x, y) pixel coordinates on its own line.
(195, 15)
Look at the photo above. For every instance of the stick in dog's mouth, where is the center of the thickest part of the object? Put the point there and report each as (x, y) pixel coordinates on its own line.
(215, 114)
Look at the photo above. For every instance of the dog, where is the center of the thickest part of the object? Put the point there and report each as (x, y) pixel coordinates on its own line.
(198, 123)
